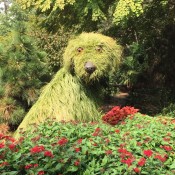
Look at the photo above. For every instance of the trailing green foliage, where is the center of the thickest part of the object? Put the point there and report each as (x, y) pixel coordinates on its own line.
(133, 65)
(126, 9)
(143, 22)
(54, 45)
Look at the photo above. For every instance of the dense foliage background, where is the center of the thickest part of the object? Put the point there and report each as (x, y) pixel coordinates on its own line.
(33, 36)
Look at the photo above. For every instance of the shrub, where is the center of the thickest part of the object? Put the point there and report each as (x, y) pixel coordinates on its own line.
(117, 114)
(139, 145)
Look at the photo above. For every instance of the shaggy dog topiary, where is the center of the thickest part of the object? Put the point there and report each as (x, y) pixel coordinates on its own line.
(76, 91)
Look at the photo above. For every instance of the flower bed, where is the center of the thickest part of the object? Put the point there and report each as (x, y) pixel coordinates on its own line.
(118, 114)
(138, 145)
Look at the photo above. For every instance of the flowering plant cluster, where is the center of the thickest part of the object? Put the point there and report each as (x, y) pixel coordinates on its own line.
(118, 114)
(140, 145)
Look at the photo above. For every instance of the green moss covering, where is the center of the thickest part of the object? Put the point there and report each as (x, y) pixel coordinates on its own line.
(73, 94)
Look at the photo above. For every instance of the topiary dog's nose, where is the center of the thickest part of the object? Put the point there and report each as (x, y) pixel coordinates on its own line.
(89, 67)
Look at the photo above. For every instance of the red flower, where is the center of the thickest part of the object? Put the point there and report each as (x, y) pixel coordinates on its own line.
(1, 136)
(95, 144)
(21, 139)
(28, 166)
(35, 139)
(136, 170)
(11, 146)
(108, 152)
(37, 149)
(4, 164)
(122, 150)
(48, 154)
(166, 139)
(117, 114)
(2, 145)
(161, 158)
(148, 153)
(117, 130)
(77, 150)
(10, 138)
(96, 132)
(127, 161)
(97, 129)
(79, 141)
(139, 144)
(40, 172)
(107, 140)
(167, 148)
(168, 134)
(62, 141)
(142, 161)
(35, 165)
(123, 123)
(76, 163)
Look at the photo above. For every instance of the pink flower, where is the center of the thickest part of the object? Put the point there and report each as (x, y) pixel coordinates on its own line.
(148, 153)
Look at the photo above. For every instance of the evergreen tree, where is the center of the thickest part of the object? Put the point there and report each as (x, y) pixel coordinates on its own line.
(23, 67)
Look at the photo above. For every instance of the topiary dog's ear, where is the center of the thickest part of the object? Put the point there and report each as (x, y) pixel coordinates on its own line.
(117, 55)
(68, 55)
(114, 50)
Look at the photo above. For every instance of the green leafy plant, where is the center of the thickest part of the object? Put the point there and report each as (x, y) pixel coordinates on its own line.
(138, 145)
(23, 67)
(133, 65)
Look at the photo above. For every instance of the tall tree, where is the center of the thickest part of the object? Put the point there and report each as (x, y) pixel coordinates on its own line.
(23, 66)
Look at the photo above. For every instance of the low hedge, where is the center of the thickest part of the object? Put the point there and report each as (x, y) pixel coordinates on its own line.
(138, 145)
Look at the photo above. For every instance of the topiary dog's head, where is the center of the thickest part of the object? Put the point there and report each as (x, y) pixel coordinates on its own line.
(92, 56)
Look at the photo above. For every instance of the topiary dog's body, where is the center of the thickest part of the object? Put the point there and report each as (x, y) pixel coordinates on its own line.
(77, 89)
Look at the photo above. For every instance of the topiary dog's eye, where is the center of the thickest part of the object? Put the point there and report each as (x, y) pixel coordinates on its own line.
(80, 49)
(98, 48)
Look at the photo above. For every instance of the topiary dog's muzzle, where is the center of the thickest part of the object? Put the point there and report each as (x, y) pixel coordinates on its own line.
(89, 67)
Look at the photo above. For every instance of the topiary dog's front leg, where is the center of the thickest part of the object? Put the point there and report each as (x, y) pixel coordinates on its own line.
(63, 98)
